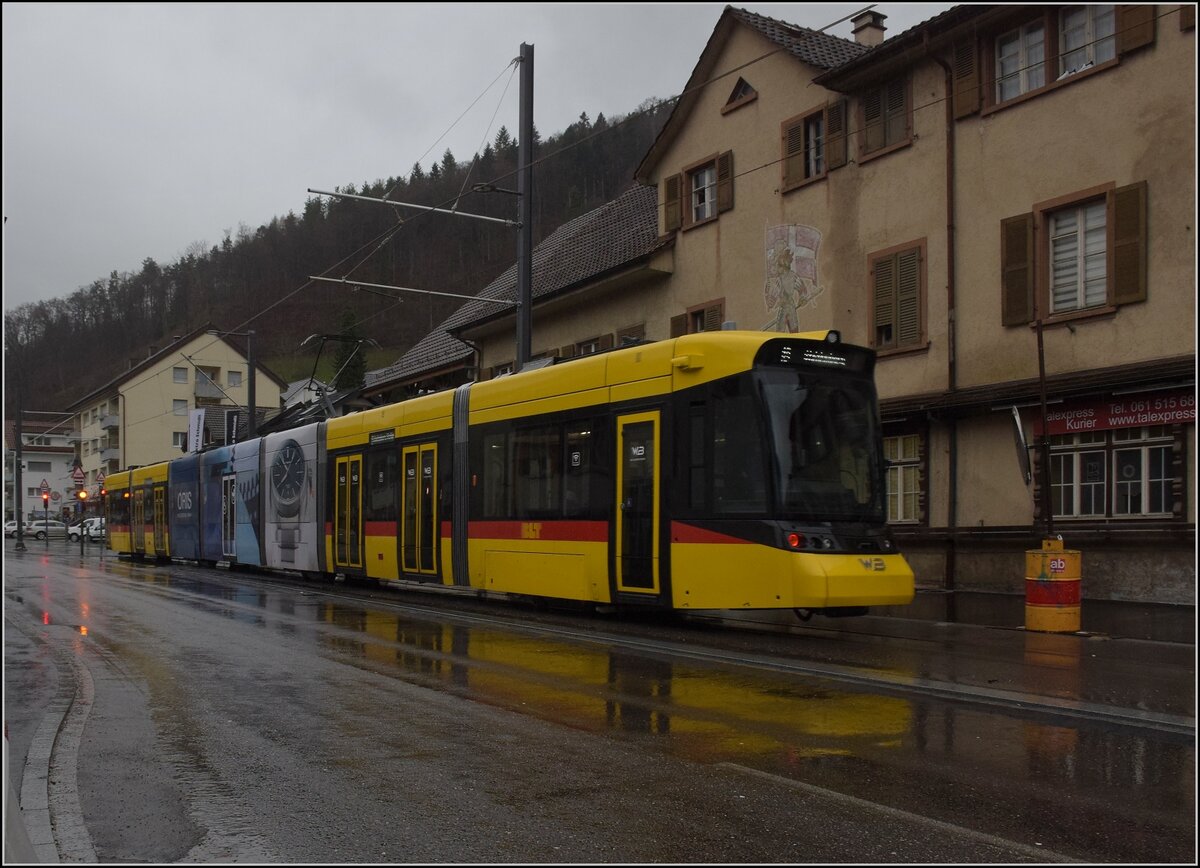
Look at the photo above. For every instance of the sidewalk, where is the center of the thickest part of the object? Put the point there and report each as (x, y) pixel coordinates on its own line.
(1117, 619)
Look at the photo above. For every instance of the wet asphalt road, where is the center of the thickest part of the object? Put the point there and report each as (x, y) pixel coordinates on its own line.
(221, 717)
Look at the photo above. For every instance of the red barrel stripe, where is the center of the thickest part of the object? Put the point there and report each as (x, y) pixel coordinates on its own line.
(1043, 593)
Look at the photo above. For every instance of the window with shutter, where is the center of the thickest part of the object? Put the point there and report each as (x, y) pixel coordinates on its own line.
(898, 285)
(1093, 246)
(705, 317)
(1016, 269)
(707, 189)
(1056, 46)
(804, 144)
(885, 117)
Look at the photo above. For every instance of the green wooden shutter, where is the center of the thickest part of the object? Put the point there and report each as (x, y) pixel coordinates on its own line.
(1135, 27)
(908, 297)
(1016, 270)
(672, 216)
(725, 182)
(714, 315)
(875, 132)
(966, 78)
(884, 281)
(896, 126)
(1128, 209)
(835, 134)
(793, 154)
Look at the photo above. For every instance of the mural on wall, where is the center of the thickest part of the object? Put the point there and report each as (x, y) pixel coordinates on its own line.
(791, 282)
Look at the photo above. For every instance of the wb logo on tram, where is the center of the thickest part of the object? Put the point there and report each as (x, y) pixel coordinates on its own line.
(875, 564)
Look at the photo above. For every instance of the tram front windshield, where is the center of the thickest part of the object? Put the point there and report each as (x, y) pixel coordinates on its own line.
(824, 444)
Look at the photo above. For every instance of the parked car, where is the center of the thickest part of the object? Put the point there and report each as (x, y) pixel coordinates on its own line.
(93, 528)
(41, 529)
(10, 528)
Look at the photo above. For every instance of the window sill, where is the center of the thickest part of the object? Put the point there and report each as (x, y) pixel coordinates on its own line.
(900, 145)
(805, 183)
(734, 106)
(687, 227)
(902, 351)
(1059, 320)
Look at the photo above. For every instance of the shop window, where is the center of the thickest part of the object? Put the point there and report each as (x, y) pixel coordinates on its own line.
(1124, 473)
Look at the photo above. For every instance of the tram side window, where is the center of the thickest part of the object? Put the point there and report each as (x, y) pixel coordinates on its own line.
(537, 454)
(118, 510)
(497, 493)
(739, 481)
(697, 464)
(382, 479)
(578, 474)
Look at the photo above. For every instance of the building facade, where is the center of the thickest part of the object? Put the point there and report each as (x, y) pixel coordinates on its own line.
(142, 416)
(47, 455)
(1000, 201)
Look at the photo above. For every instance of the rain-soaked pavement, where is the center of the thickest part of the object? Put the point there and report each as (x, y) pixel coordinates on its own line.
(168, 713)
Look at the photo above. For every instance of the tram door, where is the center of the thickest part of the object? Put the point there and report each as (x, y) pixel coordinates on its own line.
(160, 520)
(638, 473)
(418, 526)
(229, 515)
(137, 526)
(347, 512)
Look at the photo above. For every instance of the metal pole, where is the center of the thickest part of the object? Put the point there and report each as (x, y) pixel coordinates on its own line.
(18, 481)
(525, 209)
(252, 422)
(1047, 499)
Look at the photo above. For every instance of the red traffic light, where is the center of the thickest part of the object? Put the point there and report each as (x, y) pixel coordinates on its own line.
(45, 497)
(103, 492)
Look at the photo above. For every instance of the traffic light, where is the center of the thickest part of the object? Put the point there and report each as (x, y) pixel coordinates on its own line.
(45, 499)
(82, 495)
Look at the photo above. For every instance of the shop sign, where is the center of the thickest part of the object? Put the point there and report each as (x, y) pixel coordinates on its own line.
(1176, 407)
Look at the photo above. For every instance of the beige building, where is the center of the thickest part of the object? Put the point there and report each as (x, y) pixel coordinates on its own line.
(141, 417)
(994, 180)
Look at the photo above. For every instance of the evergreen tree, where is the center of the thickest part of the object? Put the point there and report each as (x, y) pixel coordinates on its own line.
(350, 362)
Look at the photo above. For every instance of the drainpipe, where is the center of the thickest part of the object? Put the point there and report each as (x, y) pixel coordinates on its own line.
(952, 350)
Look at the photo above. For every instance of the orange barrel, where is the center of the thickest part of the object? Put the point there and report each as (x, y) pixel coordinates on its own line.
(1052, 589)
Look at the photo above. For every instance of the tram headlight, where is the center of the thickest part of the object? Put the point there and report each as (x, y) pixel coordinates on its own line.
(834, 337)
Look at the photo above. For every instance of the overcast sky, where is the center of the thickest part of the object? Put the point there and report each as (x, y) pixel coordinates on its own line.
(138, 130)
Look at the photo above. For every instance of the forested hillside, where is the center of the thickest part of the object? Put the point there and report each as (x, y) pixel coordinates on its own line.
(259, 278)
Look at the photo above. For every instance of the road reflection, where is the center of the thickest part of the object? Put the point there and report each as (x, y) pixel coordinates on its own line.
(880, 747)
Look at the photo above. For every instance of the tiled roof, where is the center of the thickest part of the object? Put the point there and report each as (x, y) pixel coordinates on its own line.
(811, 46)
(610, 237)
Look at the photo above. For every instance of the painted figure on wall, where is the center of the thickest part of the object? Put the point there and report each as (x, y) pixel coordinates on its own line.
(791, 282)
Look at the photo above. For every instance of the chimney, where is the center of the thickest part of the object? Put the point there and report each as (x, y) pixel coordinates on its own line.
(868, 28)
(153, 350)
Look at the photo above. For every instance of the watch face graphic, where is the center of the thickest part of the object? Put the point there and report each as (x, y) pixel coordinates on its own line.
(288, 472)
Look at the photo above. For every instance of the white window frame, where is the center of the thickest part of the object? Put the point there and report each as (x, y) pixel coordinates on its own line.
(1114, 493)
(1146, 445)
(1078, 256)
(179, 407)
(703, 197)
(234, 378)
(814, 145)
(903, 454)
(1086, 37)
(179, 375)
(1029, 73)
(179, 439)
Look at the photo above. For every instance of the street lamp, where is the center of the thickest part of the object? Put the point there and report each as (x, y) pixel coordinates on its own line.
(251, 421)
